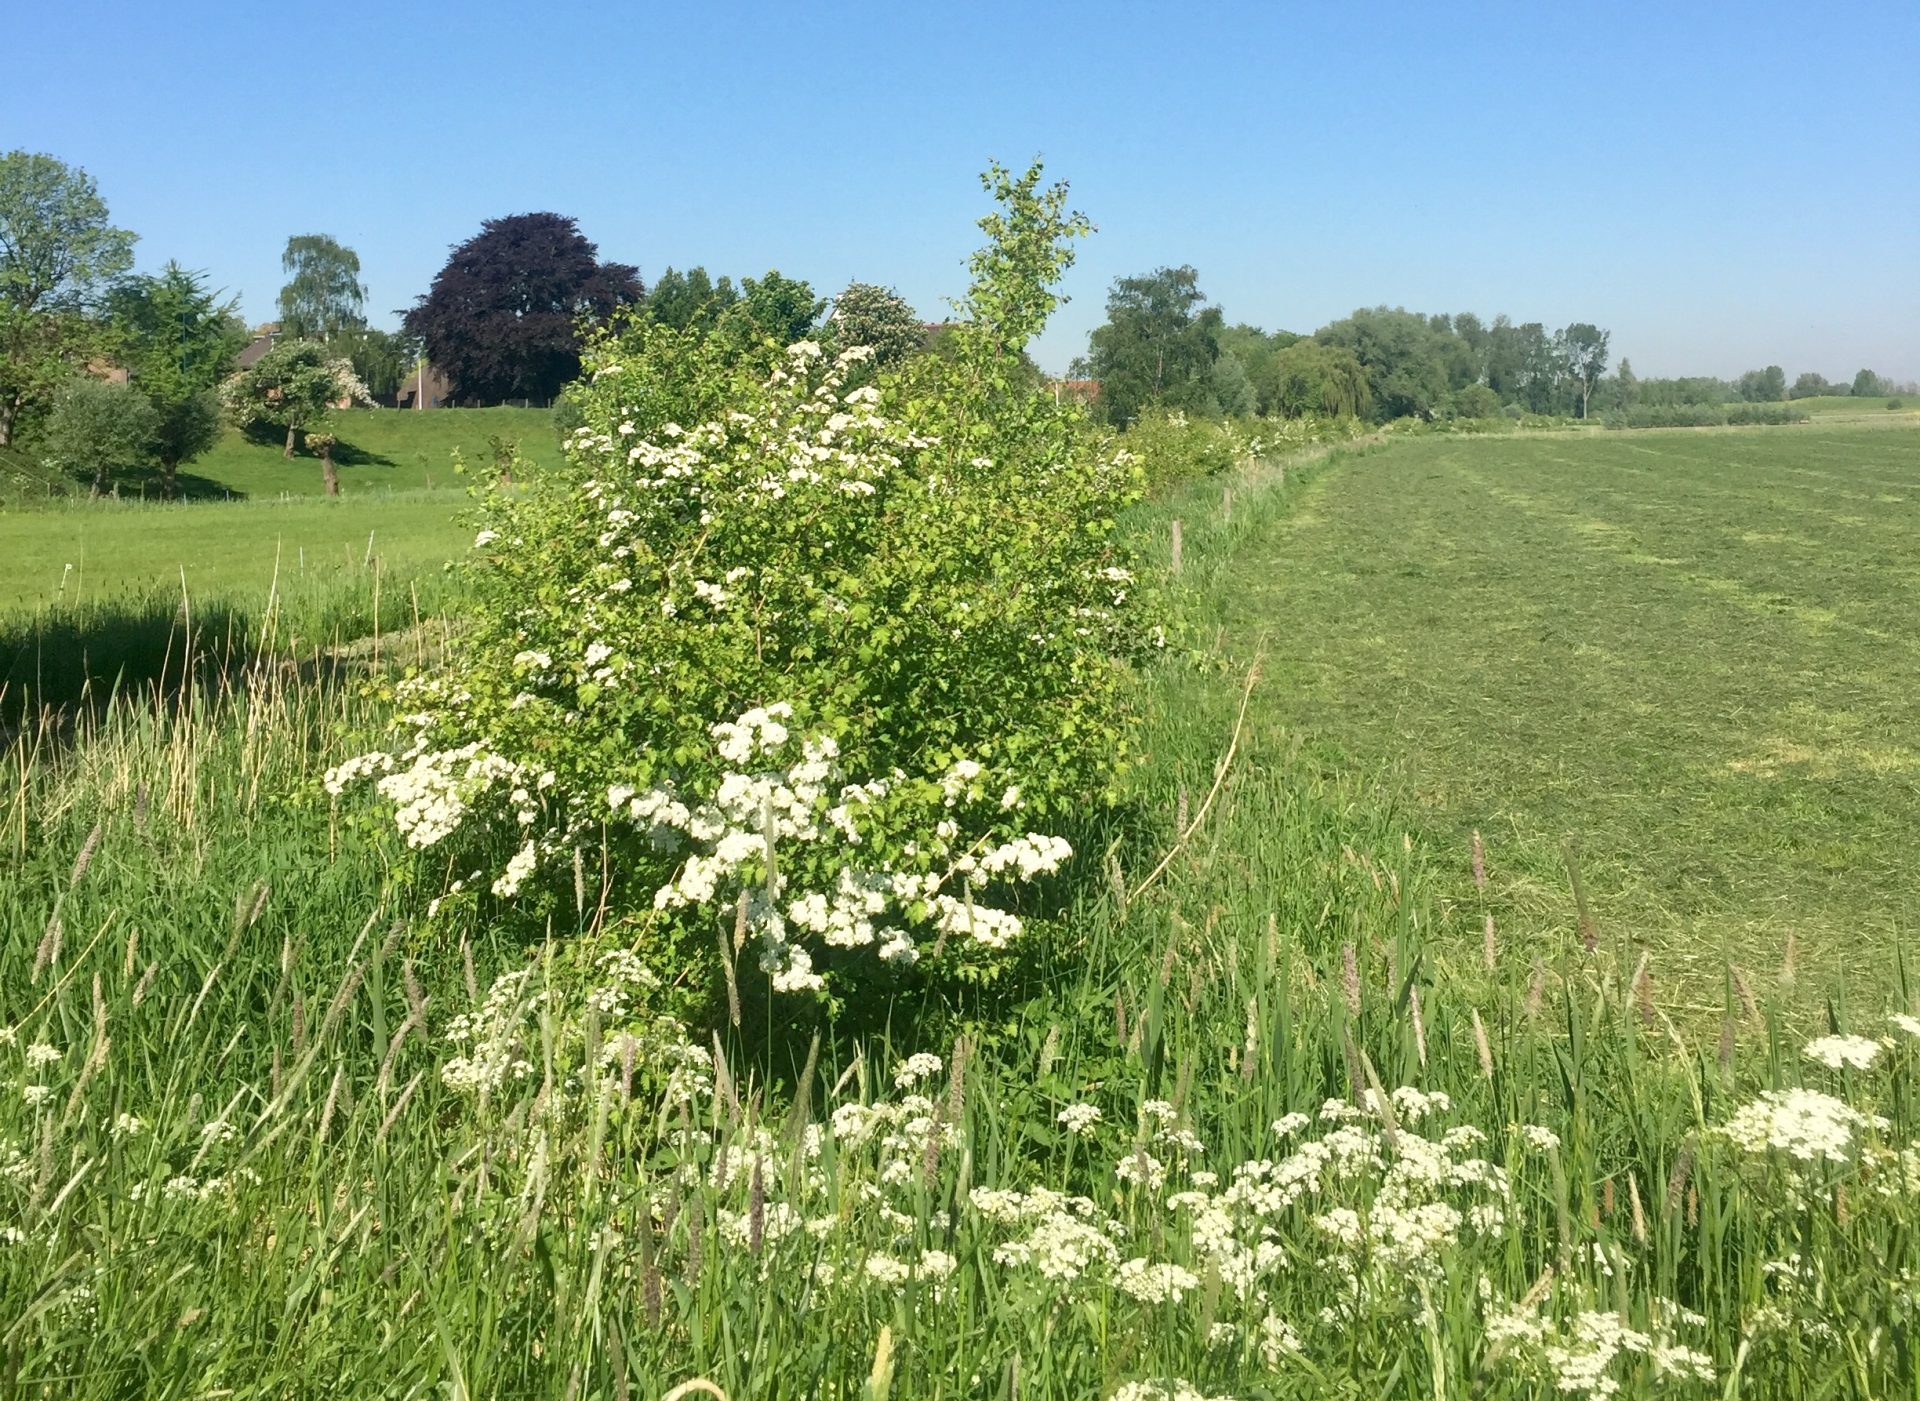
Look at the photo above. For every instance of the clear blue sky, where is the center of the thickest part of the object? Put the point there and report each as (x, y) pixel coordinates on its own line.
(1722, 185)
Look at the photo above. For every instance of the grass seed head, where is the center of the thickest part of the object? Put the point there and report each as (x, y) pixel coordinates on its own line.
(85, 858)
(1678, 1179)
(49, 951)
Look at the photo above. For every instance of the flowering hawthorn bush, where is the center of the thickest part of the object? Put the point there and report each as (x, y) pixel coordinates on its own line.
(826, 666)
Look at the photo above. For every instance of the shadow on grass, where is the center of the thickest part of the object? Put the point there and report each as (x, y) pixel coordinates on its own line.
(344, 452)
(59, 664)
(147, 486)
(55, 666)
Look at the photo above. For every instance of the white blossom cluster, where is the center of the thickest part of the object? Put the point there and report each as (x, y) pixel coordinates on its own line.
(1844, 1052)
(1179, 1389)
(775, 793)
(433, 790)
(495, 1046)
(1805, 1125)
(1586, 1354)
(753, 816)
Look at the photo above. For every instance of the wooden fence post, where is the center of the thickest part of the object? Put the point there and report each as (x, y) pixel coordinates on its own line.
(1174, 565)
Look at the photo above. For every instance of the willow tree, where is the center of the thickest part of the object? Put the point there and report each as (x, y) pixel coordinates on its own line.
(324, 295)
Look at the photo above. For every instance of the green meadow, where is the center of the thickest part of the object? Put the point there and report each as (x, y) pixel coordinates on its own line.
(1892, 407)
(101, 553)
(400, 494)
(381, 450)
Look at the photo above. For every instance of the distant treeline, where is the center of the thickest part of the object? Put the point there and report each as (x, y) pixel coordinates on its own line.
(1162, 346)
(1768, 386)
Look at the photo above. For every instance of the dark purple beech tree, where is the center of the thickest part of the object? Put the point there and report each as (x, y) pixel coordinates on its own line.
(501, 321)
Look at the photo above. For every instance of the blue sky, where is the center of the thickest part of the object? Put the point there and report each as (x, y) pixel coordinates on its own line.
(1723, 186)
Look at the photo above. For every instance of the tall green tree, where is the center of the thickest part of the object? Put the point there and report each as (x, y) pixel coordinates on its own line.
(689, 300)
(1255, 350)
(324, 295)
(177, 340)
(58, 254)
(1768, 386)
(776, 308)
(1157, 347)
(1311, 377)
(1619, 390)
(1405, 355)
(1867, 385)
(1583, 356)
(1232, 389)
(1809, 386)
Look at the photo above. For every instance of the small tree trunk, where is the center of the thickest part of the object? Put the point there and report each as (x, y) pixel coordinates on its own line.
(9, 406)
(291, 430)
(169, 480)
(327, 471)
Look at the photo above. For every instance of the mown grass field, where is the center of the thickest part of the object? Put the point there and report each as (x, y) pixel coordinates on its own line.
(1688, 655)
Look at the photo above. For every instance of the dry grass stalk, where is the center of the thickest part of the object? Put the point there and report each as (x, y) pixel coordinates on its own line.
(1251, 1048)
(723, 1092)
(398, 1105)
(49, 951)
(1419, 1024)
(1643, 993)
(1744, 991)
(1480, 1046)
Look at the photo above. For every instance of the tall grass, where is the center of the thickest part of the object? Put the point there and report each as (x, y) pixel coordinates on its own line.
(310, 1204)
